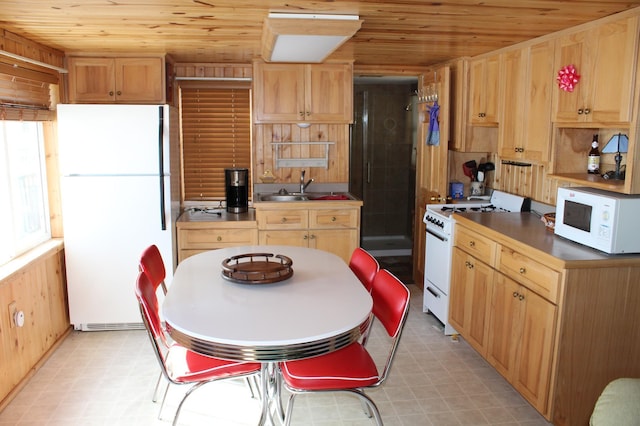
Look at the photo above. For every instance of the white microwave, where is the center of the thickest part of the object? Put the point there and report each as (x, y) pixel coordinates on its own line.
(604, 220)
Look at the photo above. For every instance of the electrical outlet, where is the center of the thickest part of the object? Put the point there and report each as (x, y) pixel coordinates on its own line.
(12, 311)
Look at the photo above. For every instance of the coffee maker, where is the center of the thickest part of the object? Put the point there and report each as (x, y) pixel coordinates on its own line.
(236, 182)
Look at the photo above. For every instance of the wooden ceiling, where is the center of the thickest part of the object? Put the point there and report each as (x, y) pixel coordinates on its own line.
(394, 32)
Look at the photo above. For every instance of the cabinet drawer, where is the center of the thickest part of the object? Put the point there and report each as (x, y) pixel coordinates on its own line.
(334, 218)
(530, 273)
(216, 238)
(282, 219)
(480, 247)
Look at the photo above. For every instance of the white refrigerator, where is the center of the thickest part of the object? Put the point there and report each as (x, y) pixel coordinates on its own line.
(120, 193)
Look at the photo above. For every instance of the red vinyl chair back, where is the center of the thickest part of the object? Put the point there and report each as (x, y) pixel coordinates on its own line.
(180, 365)
(151, 263)
(352, 368)
(364, 266)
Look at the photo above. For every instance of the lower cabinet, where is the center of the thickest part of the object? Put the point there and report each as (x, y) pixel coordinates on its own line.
(197, 237)
(470, 299)
(336, 230)
(496, 308)
(520, 342)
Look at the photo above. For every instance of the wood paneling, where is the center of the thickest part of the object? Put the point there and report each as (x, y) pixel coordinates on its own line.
(36, 286)
(399, 32)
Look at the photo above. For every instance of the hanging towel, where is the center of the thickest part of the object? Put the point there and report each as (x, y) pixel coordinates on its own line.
(433, 135)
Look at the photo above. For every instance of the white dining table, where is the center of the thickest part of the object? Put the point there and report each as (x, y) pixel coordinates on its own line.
(321, 308)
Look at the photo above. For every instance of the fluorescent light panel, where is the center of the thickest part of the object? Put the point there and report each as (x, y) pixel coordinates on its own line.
(308, 38)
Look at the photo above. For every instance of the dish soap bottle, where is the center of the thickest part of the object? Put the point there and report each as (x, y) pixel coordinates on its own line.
(593, 162)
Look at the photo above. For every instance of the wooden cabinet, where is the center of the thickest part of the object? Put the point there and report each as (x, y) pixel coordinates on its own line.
(503, 303)
(484, 79)
(334, 229)
(116, 80)
(521, 337)
(293, 93)
(470, 298)
(525, 113)
(197, 236)
(605, 57)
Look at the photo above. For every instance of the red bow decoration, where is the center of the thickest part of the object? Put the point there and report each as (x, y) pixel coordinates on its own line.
(568, 78)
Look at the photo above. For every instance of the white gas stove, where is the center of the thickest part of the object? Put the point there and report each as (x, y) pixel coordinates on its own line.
(439, 246)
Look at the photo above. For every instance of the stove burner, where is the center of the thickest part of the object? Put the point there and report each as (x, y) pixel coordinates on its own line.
(454, 209)
(488, 208)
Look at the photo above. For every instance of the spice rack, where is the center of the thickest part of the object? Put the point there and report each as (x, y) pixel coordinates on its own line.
(301, 162)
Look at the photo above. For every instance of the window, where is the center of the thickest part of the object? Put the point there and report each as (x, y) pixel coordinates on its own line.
(216, 134)
(24, 218)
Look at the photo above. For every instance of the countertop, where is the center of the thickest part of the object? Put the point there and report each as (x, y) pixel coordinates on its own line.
(216, 215)
(526, 229)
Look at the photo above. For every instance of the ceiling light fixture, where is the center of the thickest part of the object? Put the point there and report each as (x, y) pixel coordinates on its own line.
(305, 38)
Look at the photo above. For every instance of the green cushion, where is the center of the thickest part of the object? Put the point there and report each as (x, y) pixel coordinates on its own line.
(618, 405)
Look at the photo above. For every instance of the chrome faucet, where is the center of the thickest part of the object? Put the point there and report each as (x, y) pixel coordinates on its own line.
(304, 185)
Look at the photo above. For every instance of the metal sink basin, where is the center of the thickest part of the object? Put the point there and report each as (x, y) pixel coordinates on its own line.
(283, 197)
(307, 196)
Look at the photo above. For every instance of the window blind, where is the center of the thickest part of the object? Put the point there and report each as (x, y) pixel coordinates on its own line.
(25, 94)
(216, 134)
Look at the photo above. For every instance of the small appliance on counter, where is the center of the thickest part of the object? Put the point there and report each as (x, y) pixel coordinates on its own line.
(603, 220)
(236, 182)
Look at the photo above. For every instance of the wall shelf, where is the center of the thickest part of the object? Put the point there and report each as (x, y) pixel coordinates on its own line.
(302, 162)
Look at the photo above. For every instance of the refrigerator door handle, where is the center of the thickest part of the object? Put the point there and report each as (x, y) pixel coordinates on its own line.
(163, 220)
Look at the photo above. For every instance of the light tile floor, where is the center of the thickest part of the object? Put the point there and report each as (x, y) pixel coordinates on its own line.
(107, 378)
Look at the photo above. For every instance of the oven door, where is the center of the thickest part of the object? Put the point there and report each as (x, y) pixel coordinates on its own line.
(437, 268)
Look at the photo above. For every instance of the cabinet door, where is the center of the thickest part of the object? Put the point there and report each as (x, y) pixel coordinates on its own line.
(282, 219)
(535, 349)
(484, 79)
(341, 242)
(333, 218)
(525, 120)
(329, 93)
(503, 325)
(599, 54)
(279, 91)
(298, 238)
(470, 294)
(91, 80)
(139, 80)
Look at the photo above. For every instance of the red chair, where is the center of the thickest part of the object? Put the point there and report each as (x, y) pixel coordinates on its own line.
(180, 365)
(151, 263)
(364, 266)
(352, 368)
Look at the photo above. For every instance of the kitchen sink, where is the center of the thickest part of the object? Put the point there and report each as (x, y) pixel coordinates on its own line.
(307, 196)
(283, 197)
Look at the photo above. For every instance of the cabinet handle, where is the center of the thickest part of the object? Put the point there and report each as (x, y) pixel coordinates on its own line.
(482, 115)
(587, 111)
(472, 243)
(301, 113)
(111, 93)
(312, 237)
(468, 264)
(333, 219)
(308, 113)
(523, 270)
(306, 237)
(118, 93)
(219, 238)
(518, 149)
(515, 294)
(580, 111)
(283, 220)
(521, 297)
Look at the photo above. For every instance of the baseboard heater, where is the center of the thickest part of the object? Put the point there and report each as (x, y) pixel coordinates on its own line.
(109, 326)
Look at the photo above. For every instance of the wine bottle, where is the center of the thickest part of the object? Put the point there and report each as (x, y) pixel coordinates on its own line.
(593, 162)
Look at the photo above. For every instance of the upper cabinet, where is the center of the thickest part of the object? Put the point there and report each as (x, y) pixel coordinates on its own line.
(295, 93)
(525, 119)
(605, 57)
(116, 80)
(484, 78)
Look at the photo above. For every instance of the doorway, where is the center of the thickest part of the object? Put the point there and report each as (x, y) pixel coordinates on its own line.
(382, 155)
